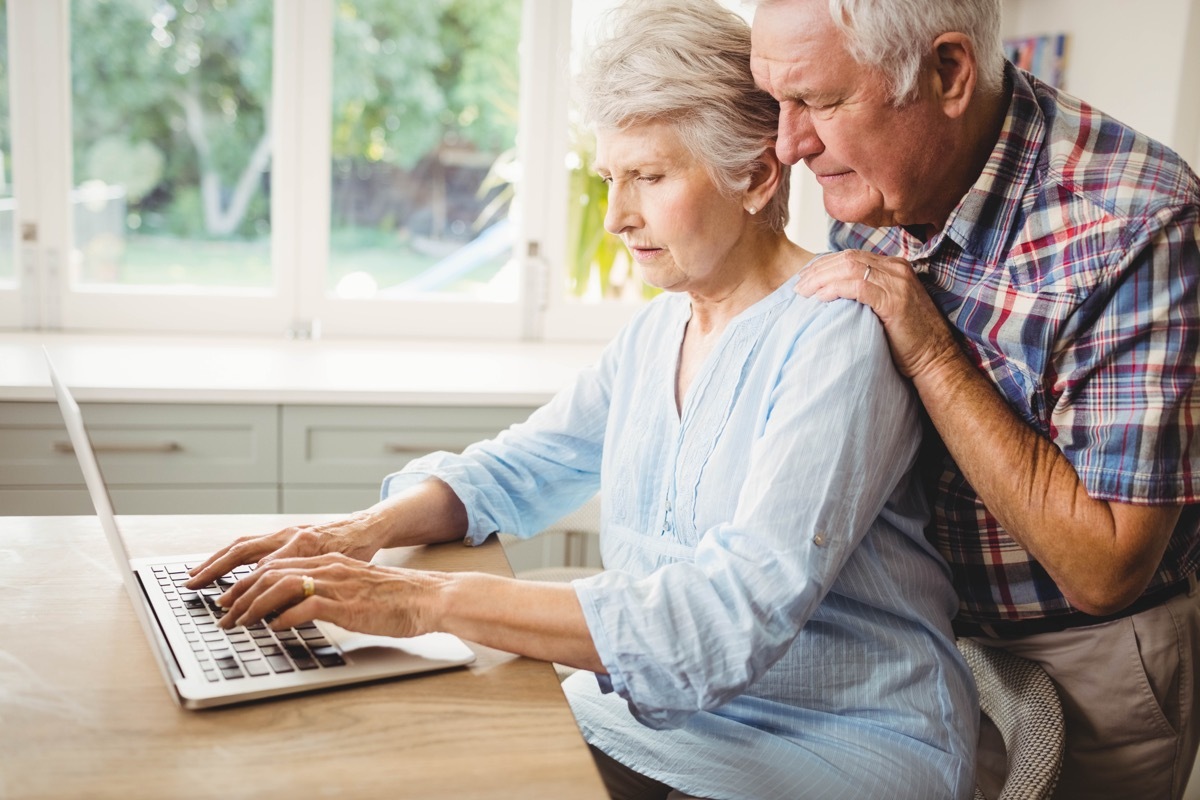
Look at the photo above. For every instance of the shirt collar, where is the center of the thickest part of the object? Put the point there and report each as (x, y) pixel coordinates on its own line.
(982, 223)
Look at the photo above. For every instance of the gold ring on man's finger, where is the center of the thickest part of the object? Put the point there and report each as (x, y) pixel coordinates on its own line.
(867, 274)
(310, 586)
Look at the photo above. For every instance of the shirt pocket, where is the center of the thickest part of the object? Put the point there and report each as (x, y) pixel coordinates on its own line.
(1017, 338)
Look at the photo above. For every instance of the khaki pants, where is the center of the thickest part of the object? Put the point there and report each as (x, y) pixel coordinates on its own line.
(1130, 704)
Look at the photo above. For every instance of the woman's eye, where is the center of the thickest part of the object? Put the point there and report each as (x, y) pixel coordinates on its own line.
(649, 178)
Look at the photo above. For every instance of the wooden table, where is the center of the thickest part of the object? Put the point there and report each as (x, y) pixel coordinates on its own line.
(84, 711)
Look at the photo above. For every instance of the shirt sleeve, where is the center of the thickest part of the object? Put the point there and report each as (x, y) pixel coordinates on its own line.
(839, 436)
(535, 472)
(1127, 414)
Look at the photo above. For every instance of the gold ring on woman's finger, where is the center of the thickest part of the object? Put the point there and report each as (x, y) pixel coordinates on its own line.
(867, 274)
(310, 586)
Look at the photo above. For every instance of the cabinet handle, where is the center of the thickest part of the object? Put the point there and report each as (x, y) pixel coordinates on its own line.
(124, 447)
(401, 447)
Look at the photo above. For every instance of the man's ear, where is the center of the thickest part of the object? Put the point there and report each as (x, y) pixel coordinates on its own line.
(765, 181)
(956, 71)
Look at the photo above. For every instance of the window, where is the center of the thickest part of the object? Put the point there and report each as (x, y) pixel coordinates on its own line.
(409, 228)
(11, 313)
(423, 146)
(349, 167)
(595, 289)
(8, 268)
(171, 144)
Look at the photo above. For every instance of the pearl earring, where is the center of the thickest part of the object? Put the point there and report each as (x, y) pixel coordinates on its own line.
(752, 210)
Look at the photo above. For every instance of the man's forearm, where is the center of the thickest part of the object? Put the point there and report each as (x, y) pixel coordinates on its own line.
(1098, 561)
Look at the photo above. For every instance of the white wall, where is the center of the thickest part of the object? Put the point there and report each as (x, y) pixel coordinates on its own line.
(1187, 126)
(1140, 65)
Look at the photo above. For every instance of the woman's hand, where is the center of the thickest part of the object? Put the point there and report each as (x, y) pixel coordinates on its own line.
(355, 536)
(354, 594)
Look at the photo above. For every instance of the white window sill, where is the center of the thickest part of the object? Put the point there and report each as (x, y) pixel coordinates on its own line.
(120, 369)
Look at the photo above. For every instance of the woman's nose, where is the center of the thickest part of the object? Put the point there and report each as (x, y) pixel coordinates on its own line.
(622, 213)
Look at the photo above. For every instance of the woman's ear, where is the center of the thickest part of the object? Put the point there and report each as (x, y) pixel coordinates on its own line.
(764, 183)
(956, 71)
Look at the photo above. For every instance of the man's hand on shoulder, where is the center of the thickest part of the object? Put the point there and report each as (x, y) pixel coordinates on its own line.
(921, 341)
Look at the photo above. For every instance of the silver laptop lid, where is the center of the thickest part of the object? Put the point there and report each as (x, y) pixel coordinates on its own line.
(81, 442)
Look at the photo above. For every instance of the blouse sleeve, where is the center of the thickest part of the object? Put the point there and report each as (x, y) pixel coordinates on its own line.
(535, 472)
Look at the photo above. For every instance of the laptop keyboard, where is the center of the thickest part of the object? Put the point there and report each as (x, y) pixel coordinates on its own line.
(244, 651)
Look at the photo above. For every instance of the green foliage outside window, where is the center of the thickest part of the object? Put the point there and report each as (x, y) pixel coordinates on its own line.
(186, 84)
(172, 103)
(595, 253)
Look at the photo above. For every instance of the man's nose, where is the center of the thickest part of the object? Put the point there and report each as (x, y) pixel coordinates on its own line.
(798, 138)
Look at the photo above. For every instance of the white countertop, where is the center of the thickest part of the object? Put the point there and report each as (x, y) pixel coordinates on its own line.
(168, 369)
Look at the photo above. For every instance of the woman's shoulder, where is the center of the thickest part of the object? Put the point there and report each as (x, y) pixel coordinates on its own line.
(801, 317)
(836, 336)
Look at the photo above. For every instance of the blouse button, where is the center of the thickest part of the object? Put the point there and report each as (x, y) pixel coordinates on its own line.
(819, 540)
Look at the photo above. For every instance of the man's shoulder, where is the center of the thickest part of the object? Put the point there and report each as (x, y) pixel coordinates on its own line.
(1092, 157)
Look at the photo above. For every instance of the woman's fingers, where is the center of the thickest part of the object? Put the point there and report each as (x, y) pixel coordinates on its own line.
(294, 542)
(282, 584)
(352, 594)
(265, 591)
(352, 535)
(246, 550)
(285, 592)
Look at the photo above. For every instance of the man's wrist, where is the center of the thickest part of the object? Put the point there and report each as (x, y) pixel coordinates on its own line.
(945, 374)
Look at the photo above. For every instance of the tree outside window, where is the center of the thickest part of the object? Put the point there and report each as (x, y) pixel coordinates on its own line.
(172, 142)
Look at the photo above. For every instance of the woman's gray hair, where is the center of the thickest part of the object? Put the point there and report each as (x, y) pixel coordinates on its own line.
(894, 37)
(686, 63)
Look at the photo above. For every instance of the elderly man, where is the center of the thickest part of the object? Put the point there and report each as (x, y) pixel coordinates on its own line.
(1035, 265)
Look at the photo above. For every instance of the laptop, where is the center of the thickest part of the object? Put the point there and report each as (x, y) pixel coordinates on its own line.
(205, 666)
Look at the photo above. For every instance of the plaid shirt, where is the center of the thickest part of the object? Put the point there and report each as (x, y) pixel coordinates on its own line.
(1072, 274)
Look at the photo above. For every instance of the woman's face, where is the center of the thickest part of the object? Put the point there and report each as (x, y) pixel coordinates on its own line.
(678, 226)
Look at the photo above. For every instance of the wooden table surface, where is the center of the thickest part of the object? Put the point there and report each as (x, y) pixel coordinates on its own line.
(84, 711)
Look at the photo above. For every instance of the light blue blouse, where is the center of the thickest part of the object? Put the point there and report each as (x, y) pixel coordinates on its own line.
(772, 620)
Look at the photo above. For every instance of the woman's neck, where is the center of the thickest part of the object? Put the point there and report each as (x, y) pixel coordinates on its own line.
(757, 272)
(757, 277)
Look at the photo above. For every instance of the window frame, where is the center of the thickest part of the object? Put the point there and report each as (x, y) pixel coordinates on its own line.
(296, 304)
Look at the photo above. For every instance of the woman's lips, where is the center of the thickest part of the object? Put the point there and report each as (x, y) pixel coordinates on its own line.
(644, 253)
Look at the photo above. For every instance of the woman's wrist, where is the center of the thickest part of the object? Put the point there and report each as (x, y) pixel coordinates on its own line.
(427, 513)
(433, 610)
(358, 535)
(463, 603)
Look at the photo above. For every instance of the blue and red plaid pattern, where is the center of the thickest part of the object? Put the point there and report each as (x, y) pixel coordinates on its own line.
(1071, 271)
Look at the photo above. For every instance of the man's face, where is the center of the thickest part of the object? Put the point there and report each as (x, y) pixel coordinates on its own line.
(877, 163)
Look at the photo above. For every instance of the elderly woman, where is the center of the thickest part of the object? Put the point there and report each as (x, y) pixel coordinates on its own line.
(771, 621)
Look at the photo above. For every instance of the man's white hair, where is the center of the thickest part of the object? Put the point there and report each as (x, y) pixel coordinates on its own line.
(895, 37)
(686, 63)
